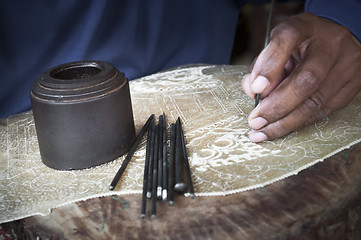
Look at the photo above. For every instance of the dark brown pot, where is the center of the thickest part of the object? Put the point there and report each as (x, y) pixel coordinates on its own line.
(83, 114)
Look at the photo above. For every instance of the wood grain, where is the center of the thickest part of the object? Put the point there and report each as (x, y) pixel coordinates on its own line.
(322, 202)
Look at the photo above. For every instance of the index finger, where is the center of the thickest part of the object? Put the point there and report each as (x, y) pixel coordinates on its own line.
(286, 38)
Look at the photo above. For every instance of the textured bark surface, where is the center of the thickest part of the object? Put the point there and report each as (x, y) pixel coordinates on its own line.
(322, 202)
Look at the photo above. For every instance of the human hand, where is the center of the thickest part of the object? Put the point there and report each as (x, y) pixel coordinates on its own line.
(310, 68)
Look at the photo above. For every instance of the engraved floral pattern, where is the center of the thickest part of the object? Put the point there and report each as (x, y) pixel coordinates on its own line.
(213, 110)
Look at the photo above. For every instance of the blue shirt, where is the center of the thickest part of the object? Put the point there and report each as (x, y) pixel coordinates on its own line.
(344, 12)
(139, 37)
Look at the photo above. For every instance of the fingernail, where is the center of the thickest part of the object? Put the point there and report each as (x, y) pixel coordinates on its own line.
(244, 80)
(246, 76)
(259, 84)
(257, 123)
(257, 136)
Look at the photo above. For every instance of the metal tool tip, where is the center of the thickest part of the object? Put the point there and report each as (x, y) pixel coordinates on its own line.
(164, 195)
(257, 100)
(180, 187)
(111, 187)
(153, 216)
(159, 192)
(142, 215)
(170, 203)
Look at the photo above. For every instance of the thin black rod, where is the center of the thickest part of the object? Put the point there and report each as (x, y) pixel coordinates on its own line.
(160, 157)
(146, 169)
(180, 186)
(155, 174)
(130, 154)
(186, 163)
(165, 164)
(171, 165)
(267, 38)
(269, 21)
(257, 99)
(151, 162)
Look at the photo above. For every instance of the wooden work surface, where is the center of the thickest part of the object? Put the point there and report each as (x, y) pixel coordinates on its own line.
(322, 202)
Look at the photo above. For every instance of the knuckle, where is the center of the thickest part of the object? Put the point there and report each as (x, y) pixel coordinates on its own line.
(315, 108)
(284, 32)
(289, 29)
(306, 82)
(342, 34)
(339, 33)
(313, 104)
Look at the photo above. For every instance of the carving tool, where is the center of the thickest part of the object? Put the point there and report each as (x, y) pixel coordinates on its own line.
(171, 165)
(160, 157)
(165, 164)
(151, 162)
(186, 162)
(266, 41)
(180, 186)
(130, 154)
(155, 173)
(146, 170)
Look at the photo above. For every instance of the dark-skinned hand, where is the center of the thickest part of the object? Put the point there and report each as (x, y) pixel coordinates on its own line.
(310, 68)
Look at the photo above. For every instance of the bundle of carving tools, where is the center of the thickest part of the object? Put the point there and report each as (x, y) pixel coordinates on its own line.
(165, 167)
